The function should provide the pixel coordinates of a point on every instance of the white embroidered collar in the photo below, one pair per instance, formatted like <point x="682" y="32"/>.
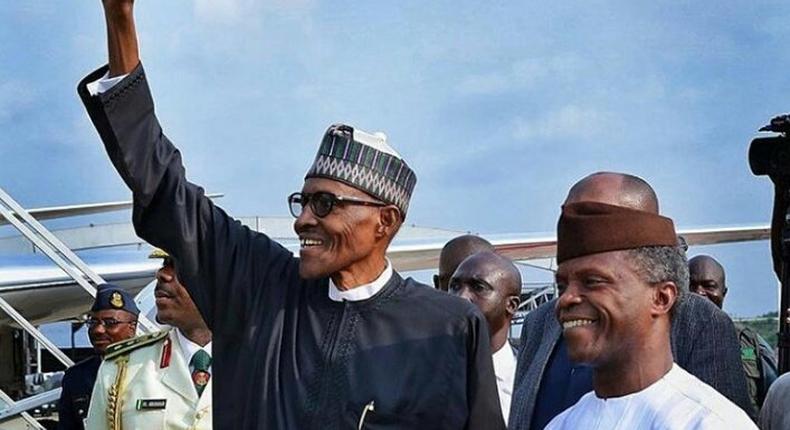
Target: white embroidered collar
<point x="362" y="292"/>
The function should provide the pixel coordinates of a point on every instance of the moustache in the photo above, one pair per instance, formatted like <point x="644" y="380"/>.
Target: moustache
<point x="161" y="291"/>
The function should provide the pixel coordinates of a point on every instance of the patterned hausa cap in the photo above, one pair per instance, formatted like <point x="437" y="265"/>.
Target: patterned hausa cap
<point x="366" y="162"/>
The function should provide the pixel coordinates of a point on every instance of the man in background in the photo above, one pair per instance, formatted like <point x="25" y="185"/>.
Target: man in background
<point x="707" y="279"/>
<point x="112" y="318"/>
<point x="453" y="253"/>
<point x="775" y="414"/>
<point x="493" y="284"/>
<point x="162" y="379"/>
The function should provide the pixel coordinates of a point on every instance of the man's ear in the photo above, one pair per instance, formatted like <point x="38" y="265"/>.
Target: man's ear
<point x="512" y="305"/>
<point x="389" y="222"/>
<point x="664" y="296"/>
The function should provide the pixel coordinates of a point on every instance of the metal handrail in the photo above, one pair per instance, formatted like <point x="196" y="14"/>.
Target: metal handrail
<point x="32" y="330"/>
<point x="70" y="263"/>
<point x="16" y="408"/>
<point x="56" y="250"/>
<point x="52" y="242"/>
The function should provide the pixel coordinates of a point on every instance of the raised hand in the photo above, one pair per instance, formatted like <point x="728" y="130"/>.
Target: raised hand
<point x="121" y="36"/>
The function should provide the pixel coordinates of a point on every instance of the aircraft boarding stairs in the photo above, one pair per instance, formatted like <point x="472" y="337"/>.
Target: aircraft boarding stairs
<point x="13" y="414"/>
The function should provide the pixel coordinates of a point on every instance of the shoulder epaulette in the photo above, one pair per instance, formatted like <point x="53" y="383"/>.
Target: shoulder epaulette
<point x="126" y="346"/>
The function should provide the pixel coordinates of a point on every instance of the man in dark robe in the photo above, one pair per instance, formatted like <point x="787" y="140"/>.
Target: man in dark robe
<point x="335" y="339"/>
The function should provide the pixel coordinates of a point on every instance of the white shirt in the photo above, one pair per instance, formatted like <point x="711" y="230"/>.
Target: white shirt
<point x="505" y="370"/>
<point x="189" y="348"/>
<point x="362" y="292"/>
<point x="103" y="84"/>
<point x="676" y="401"/>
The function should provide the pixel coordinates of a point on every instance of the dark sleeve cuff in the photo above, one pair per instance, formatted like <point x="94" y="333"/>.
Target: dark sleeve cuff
<point x="134" y="85"/>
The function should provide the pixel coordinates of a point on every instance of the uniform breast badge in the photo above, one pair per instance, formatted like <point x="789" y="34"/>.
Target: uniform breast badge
<point x="200" y="378"/>
<point x="200" y="362"/>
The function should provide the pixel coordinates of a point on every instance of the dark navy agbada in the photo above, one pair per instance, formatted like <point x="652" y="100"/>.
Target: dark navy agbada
<point x="285" y="355"/>
<point x="76" y="395"/>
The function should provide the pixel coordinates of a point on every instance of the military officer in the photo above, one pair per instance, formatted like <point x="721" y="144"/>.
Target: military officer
<point x="159" y="380"/>
<point x="112" y="318"/>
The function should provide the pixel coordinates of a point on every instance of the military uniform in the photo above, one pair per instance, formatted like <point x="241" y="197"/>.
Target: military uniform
<point x="145" y="383"/>
<point x="759" y="364"/>
<point x="79" y="379"/>
<point x="76" y="395"/>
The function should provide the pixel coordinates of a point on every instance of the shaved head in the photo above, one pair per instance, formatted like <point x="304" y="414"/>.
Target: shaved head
<point x="505" y="275"/>
<point x="493" y="283"/>
<point x="454" y="252"/>
<point x="618" y="189"/>
<point x="707" y="279"/>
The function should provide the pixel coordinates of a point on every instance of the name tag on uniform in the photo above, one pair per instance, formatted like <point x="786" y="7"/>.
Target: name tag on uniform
<point x="151" y="404"/>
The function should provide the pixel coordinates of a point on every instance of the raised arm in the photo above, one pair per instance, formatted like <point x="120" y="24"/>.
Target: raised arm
<point x="221" y="262"/>
<point x="122" y="48"/>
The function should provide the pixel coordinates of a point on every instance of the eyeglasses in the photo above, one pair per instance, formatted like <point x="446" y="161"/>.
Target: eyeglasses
<point x="322" y="203"/>
<point x="108" y="323"/>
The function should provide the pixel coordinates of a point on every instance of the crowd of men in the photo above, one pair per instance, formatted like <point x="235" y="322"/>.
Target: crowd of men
<point x="337" y="339"/>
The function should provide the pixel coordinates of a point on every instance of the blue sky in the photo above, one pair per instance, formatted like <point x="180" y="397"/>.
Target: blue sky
<point x="498" y="106"/>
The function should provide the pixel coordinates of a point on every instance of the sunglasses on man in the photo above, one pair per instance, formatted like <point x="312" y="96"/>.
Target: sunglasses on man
<point x="322" y="203"/>
<point x="108" y="323"/>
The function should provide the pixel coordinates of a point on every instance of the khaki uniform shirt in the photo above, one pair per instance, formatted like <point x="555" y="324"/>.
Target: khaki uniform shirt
<point x="759" y="364"/>
<point x="155" y="391"/>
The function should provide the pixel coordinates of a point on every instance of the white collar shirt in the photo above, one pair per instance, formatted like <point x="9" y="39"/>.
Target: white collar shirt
<point x="189" y="348"/>
<point x="362" y="292"/>
<point x="505" y="371"/>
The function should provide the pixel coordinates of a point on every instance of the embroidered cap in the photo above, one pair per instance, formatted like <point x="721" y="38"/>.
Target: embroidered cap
<point x="366" y="162"/>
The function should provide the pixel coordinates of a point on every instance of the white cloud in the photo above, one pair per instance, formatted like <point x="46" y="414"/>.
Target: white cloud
<point x="490" y="83"/>
<point x="15" y="97"/>
<point x="235" y="11"/>
<point x="524" y="74"/>
<point x="568" y="122"/>
<point x="221" y="11"/>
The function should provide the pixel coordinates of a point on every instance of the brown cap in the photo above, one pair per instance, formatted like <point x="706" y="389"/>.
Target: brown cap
<point x="589" y="228"/>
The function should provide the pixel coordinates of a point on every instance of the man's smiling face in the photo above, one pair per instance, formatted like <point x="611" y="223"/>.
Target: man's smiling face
<point x="604" y="307"/>
<point x="102" y="335"/>
<point x="345" y="237"/>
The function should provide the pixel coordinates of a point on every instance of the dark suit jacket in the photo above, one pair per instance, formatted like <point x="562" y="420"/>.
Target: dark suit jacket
<point x="76" y="395"/>
<point x="703" y="343"/>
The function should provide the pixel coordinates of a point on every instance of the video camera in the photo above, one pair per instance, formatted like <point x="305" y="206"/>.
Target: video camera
<point x="770" y="155"/>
